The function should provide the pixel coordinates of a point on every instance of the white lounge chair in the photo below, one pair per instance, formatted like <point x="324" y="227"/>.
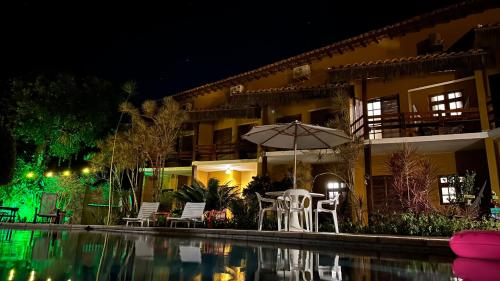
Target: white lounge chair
<point x="145" y="213"/>
<point x="190" y="254"/>
<point x="192" y="213"/>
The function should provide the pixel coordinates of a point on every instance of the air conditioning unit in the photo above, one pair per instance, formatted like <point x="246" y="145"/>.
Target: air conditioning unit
<point x="302" y="72"/>
<point x="187" y="106"/>
<point x="238" y="89"/>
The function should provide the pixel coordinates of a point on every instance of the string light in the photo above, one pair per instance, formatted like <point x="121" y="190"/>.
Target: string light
<point x="66" y="173"/>
<point x="49" y="174"/>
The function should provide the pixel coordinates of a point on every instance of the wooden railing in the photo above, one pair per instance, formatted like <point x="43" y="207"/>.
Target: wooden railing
<point x="491" y="114"/>
<point x="210" y="152"/>
<point x="408" y="124"/>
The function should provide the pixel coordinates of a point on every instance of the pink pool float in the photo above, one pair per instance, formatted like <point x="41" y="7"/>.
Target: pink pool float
<point x="476" y="269"/>
<point x="476" y="244"/>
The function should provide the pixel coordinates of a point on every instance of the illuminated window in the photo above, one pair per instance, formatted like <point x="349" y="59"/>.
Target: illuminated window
<point x="374" y="109"/>
<point x="448" y="101"/>
<point x="333" y="188"/>
<point x="447" y="191"/>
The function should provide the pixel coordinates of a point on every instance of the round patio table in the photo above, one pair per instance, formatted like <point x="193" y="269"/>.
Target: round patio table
<point x="294" y="219"/>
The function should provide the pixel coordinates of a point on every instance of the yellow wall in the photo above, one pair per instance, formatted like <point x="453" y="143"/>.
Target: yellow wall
<point x="360" y="186"/>
<point x="246" y="177"/>
<point x="235" y="178"/>
<point x="205" y="133"/>
<point x="444" y="164"/>
<point x="202" y="177"/>
<point x="421" y="98"/>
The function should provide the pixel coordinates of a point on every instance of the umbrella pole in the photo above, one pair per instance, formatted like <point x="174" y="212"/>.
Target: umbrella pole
<point x="295" y="166"/>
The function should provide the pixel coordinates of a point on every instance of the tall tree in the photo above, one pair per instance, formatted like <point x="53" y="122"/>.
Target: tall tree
<point x="60" y="115"/>
<point x="154" y="130"/>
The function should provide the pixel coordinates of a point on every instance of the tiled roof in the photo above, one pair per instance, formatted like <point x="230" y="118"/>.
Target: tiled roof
<point x="448" y="13"/>
<point x="291" y="89"/>
<point x="283" y="95"/>
<point x="215" y="113"/>
<point x="472" y="59"/>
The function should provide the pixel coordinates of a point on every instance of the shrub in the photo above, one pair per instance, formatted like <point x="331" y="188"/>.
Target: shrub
<point x="413" y="177"/>
<point x="432" y="224"/>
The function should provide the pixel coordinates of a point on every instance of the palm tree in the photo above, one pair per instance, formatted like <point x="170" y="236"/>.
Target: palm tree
<point x="217" y="196"/>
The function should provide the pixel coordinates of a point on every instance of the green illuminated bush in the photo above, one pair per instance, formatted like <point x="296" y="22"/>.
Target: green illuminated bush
<point x="29" y="183"/>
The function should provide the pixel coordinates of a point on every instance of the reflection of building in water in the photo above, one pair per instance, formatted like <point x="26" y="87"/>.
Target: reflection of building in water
<point x="216" y="248"/>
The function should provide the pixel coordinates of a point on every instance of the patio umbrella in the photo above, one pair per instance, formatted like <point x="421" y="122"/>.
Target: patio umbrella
<point x="296" y="135"/>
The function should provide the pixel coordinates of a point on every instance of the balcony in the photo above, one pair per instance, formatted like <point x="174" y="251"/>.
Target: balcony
<point x="230" y="151"/>
<point x="409" y="124"/>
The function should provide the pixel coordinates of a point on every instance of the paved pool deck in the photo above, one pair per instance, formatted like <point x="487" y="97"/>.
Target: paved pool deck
<point x="365" y="242"/>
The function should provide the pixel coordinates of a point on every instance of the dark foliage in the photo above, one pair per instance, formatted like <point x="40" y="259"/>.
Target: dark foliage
<point x="263" y="184"/>
<point x="431" y="224"/>
<point x="7" y="156"/>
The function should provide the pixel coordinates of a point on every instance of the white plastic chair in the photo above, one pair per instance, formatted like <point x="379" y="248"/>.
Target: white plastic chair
<point x="282" y="213"/>
<point x="301" y="262"/>
<point x="299" y="201"/>
<point x="329" y="272"/>
<point x="262" y="210"/>
<point x="319" y="209"/>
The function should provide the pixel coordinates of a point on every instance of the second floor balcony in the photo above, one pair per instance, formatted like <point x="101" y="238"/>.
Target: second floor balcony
<point x="409" y="124"/>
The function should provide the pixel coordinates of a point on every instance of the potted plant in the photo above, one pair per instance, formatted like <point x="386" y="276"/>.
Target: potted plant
<point x="464" y="186"/>
<point x="468" y="186"/>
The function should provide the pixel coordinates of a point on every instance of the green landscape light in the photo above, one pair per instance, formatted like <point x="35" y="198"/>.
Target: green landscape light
<point x="30" y="175"/>
<point x="86" y="170"/>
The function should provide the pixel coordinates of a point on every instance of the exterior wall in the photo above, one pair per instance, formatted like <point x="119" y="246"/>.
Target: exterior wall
<point x="235" y="178"/>
<point x="246" y="178"/>
<point x="402" y="46"/>
<point x="444" y="163"/>
<point x="205" y="133"/>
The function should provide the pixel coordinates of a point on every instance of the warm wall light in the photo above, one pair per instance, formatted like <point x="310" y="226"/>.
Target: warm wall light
<point x="66" y="173"/>
<point x="86" y="170"/>
<point x="49" y="174"/>
<point x="228" y="170"/>
<point x="329" y="185"/>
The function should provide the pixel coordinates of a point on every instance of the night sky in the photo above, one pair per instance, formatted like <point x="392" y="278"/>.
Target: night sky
<point x="167" y="48"/>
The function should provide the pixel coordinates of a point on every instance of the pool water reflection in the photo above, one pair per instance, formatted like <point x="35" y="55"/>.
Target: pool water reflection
<point x="46" y="255"/>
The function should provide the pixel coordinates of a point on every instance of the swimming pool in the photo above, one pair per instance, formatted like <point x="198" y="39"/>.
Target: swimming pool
<point x="80" y="255"/>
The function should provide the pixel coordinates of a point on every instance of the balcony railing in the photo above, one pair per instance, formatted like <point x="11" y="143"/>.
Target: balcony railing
<point x="407" y="124"/>
<point x="230" y="151"/>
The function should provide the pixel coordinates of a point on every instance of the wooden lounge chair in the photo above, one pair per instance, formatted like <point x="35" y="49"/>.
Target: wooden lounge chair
<point x="192" y="213"/>
<point x="48" y="208"/>
<point x="145" y="213"/>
